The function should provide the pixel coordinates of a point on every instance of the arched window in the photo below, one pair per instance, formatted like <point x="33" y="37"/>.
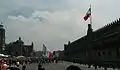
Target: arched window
<point x="103" y="53"/>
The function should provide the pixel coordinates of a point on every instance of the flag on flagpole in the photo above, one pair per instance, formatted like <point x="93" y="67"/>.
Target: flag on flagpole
<point x="88" y="14"/>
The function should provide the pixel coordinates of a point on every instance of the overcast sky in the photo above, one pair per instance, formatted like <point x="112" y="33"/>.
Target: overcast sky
<point x="53" y="22"/>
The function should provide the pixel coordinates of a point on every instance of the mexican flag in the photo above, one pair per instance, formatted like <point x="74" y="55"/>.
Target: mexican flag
<point x="88" y="14"/>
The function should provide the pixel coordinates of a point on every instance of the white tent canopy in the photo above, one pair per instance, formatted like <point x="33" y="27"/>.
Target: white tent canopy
<point x="2" y="55"/>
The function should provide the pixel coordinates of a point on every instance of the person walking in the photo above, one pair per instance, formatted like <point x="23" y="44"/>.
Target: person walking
<point x="40" y="67"/>
<point x="24" y="67"/>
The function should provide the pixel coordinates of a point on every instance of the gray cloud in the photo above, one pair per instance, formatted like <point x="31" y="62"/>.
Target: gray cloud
<point x="53" y="22"/>
<point x="55" y="34"/>
<point x="24" y="11"/>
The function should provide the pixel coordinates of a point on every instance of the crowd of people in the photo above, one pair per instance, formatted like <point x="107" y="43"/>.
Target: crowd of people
<point x="55" y="60"/>
<point x="47" y="60"/>
<point x="3" y="65"/>
<point x="13" y="63"/>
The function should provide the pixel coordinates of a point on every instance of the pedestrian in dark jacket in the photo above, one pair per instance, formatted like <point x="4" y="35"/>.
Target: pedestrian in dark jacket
<point x="40" y="67"/>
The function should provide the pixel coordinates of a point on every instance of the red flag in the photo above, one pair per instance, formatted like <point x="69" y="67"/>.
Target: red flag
<point x="88" y="14"/>
<point x="50" y="56"/>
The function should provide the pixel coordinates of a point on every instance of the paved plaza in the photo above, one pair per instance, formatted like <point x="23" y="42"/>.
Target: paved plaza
<point x="61" y="66"/>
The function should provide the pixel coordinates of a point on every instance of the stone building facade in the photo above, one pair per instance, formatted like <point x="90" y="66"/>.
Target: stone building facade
<point x="18" y="48"/>
<point x="100" y="47"/>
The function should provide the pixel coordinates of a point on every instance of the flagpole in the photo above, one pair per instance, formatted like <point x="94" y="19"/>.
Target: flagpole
<point x="90" y="16"/>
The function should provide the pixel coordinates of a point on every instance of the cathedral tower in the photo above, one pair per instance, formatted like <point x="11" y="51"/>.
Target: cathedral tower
<point x="2" y="37"/>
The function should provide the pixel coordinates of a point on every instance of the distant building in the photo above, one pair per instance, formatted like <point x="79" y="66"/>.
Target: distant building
<point x="44" y="50"/>
<point x="59" y="54"/>
<point x="39" y="54"/>
<point x="14" y="48"/>
<point x="18" y="48"/>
